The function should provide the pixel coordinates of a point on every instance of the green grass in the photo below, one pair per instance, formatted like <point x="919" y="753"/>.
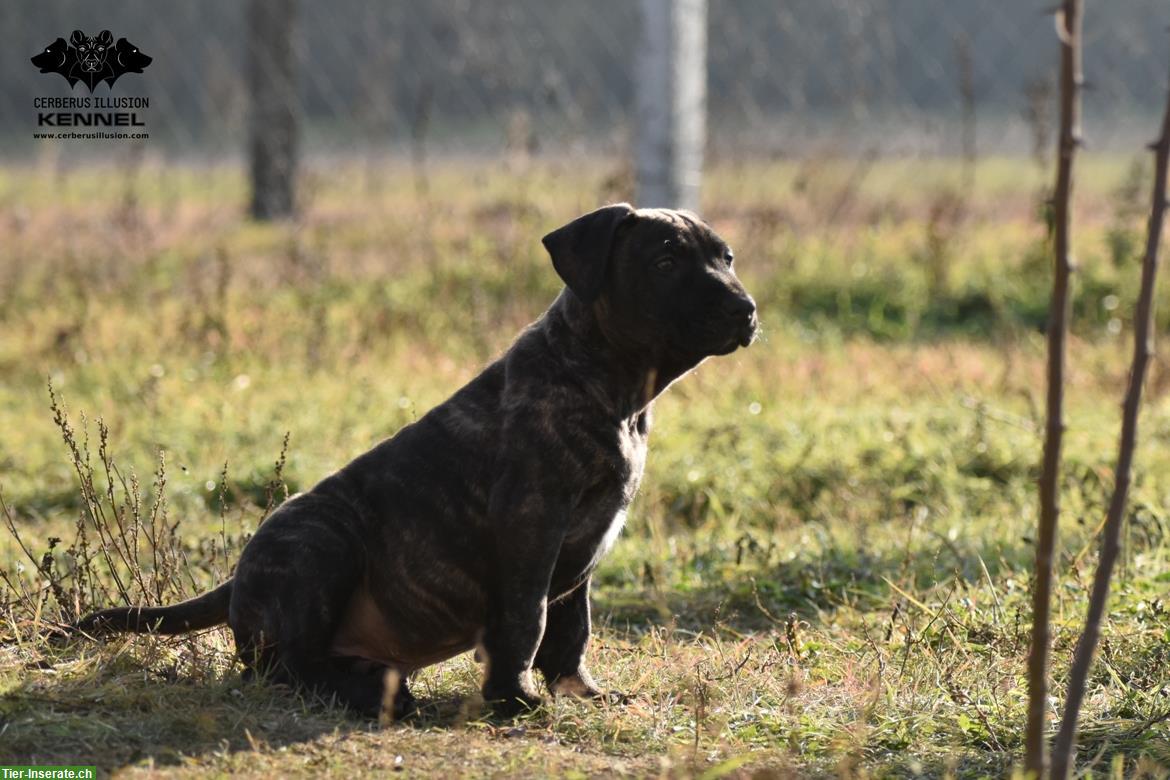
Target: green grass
<point x="826" y="572"/>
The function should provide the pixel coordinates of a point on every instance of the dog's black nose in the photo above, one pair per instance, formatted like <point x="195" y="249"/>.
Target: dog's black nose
<point x="739" y="308"/>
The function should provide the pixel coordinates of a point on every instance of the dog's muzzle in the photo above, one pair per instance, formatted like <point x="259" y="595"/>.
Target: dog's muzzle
<point x="749" y="332"/>
<point x="741" y="315"/>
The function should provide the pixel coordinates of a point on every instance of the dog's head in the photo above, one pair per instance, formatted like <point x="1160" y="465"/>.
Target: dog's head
<point x="660" y="281"/>
<point x="128" y="59"/>
<point x="54" y="58"/>
<point x="92" y="51"/>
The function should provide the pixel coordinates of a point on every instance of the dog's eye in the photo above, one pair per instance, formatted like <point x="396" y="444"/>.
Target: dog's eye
<point x="664" y="264"/>
<point x="729" y="257"/>
<point x="101" y="48"/>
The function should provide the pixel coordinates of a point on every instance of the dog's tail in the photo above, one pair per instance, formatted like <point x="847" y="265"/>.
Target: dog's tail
<point x="204" y="611"/>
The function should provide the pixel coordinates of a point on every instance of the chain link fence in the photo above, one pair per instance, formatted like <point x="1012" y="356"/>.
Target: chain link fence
<point x="884" y="77"/>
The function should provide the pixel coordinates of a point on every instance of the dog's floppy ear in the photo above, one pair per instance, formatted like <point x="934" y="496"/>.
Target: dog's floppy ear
<point x="580" y="250"/>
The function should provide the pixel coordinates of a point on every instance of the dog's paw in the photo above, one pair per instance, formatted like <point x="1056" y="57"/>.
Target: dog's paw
<point x="573" y="689"/>
<point x="616" y="698"/>
<point x="580" y="685"/>
<point x="403" y="706"/>
<point x="510" y="703"/>
<point x="398" y="702"/>
<point x="577" y="685"/>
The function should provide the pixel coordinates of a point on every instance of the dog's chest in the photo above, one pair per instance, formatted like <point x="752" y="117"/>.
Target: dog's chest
<point x="633" y="440"/>
<point x="601" y="512"/>
<point x="623" y="473"/>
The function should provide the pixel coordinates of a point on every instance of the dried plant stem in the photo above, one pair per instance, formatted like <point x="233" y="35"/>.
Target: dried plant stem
<point x="1143" y="347"/>
<point x="1068" y="24"/>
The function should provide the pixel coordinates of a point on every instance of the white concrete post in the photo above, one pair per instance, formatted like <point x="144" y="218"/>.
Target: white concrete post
<point x="671" y="103"/>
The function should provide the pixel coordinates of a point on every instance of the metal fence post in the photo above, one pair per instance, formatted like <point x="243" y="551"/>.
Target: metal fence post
<point x="274" y="102"/>
<point x="671" y="110"/>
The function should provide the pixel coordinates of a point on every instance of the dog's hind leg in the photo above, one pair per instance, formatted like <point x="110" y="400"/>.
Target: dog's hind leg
<point x="296" y="657"/>
<point x="292" y="586"/>
<point x="365" y="688"/>
<point x="365" y="675"/>
<point x="360" y="690"/>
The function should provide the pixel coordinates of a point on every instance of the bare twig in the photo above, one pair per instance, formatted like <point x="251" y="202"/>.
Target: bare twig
<point x="277" y="483"/>
<point x="1068" y="24"/>
<point x="1149" y="722"/>
<point x="1143" y="348"/>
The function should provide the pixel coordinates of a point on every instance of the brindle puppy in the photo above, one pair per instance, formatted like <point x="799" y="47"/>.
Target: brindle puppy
<point x="481" y="523"/>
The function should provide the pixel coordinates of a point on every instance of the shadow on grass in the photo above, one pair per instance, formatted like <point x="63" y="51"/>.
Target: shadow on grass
<point x="758" y="595"/>
<point x="121" y="714"/>
<point x="117" y="713"/>
<point x="124" y="716"/>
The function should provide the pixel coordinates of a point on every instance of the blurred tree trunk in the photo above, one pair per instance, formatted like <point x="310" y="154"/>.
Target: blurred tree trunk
<point x="1068" y="26"/>
<point x="671" y="86"/>
<point x="1064" y="751"/>
<point x="273" y="96"/>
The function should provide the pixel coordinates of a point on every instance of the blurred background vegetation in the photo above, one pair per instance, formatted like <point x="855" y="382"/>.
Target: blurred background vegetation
<point x="849" y="502"/>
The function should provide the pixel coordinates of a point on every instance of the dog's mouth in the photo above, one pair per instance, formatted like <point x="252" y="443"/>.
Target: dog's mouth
<point x="750" y="332"/>
<point x="742" y="337"/>
<point x="746" y="334"/>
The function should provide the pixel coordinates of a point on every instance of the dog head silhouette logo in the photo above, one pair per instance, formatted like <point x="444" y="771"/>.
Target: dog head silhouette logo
<point x="91" y="59"/>
<point x="58" y="57"/>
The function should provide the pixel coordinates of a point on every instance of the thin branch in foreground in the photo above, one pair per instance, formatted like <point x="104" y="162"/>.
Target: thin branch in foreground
<point x="1063" y="751"/>
<point x="1068" y="26"/>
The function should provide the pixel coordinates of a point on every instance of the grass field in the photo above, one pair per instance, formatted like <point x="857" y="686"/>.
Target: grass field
<point x="826" y="572"/>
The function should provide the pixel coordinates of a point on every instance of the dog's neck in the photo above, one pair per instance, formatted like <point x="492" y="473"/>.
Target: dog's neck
<point x="626" y="377"/>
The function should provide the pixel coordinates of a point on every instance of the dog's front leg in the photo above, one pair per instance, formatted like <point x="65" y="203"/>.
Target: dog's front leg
<point x="561" y="657"/>
<point x="528" y="525"/>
